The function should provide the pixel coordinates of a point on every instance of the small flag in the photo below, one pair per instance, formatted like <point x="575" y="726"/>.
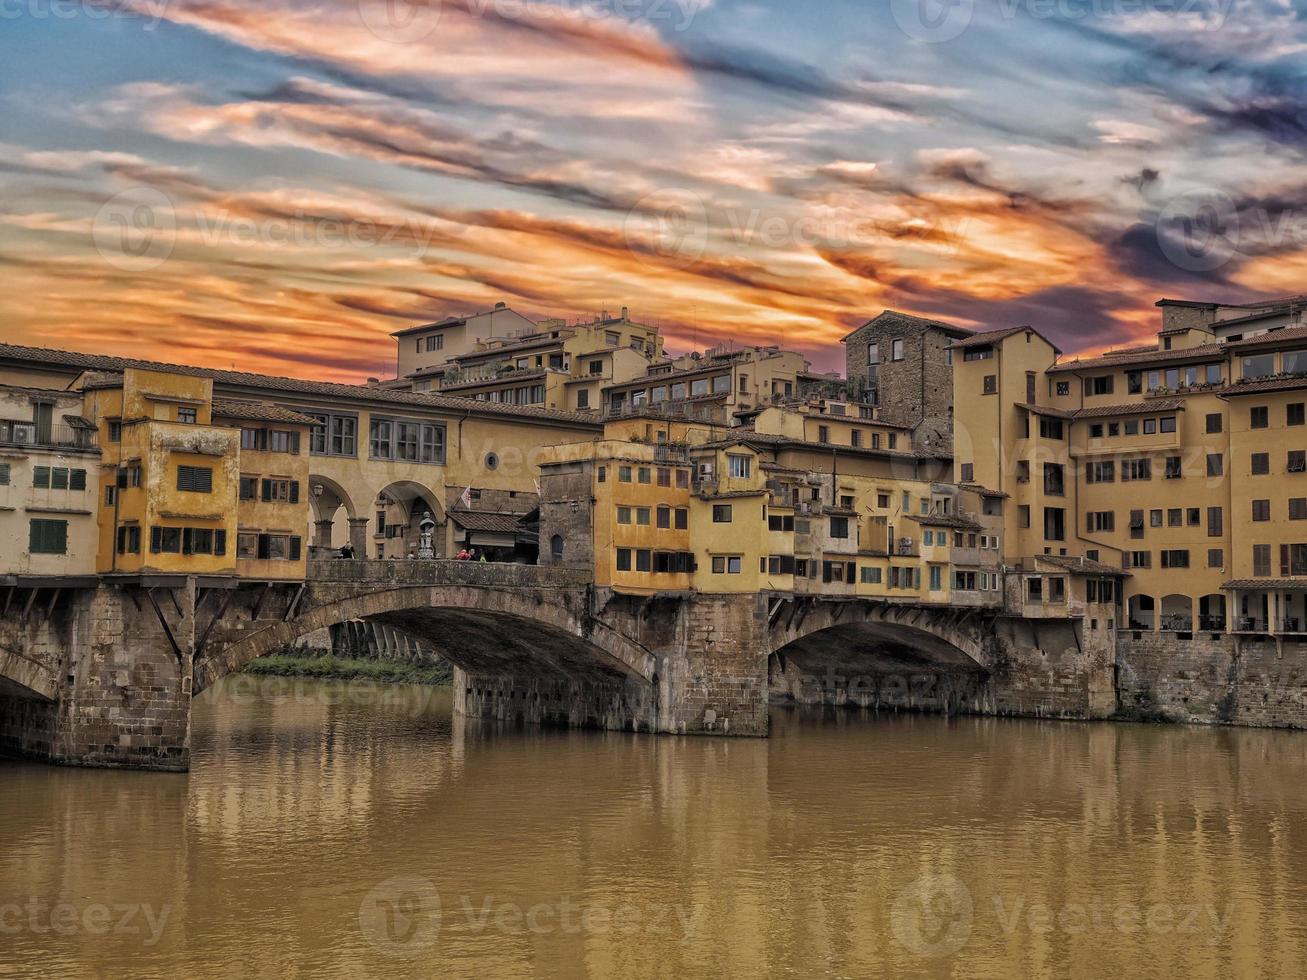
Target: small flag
<point x="466" y="499"/>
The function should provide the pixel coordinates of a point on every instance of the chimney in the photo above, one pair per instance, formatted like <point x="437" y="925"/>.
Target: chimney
<point x="501" y="306"/>
<point x="626" y="313"/>
<point x="604" y="316"/>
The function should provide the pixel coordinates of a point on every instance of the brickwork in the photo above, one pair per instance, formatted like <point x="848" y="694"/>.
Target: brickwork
<point x="1213" y="679"/>
<point x="916" y="389"/>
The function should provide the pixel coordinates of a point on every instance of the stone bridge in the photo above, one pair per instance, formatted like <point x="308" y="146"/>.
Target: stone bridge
<point x="102" y="672"/>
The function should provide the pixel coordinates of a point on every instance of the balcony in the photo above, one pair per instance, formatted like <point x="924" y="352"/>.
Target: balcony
<point x="55" y="435"/>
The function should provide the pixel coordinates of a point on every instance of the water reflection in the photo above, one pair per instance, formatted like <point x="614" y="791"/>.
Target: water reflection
<point x="331" y="830"/>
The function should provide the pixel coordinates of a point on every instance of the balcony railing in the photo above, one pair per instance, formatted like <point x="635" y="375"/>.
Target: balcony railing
<point x="56" y="435"/>
<point x="1211" y="624"/>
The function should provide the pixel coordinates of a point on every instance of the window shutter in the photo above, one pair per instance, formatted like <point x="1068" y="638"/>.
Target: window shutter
<point x="263" y="544"/>
<point x="156" y="540"/>
<point x="267" y="490"/>
<point x="188" y="540"/>
<point x="77" y="480"/>
<point x="295" y="443"/>
<point x="219" y="542"/>
<point x="294" y="491"/>
<point x="294" y="549"/>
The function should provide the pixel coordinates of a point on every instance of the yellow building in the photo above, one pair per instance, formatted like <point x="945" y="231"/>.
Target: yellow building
<point x="49" y="465"/>
<point x="665" y="505"/>
<point x="168" y="477"/>
<point x="1180" y="464"/>
<point x="554" y="365"/>
<point x="272" y="512"/>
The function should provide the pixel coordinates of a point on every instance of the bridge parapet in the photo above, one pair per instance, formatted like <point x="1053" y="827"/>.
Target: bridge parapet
<point x="501" y="575"/>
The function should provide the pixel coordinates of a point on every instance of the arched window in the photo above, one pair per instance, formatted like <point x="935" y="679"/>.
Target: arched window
<point x="556" y="546"/>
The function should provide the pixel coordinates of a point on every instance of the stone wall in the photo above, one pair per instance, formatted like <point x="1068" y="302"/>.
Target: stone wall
<point x="916" y="389"/>
<point x="1212" y="679"/>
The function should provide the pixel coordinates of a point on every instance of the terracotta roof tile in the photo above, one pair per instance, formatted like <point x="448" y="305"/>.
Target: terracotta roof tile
<point x="258" y="412"/>
<point x="105" y="362"/>
<point x="1136" y="356"/>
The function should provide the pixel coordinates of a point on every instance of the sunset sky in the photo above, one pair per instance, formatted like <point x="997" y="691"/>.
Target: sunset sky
<point x="278" y="185"/>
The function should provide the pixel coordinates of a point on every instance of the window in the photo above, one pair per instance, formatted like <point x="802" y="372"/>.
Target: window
<point x="1297" y="461"/>
<point x="873" y="353"/>
<point x="129" y="539"/>
<point x="1215" y="522"/>
<point x="741" y="467"/>
<point x="1156" y="517"/>
<point x="1139" y="559"/>
<point x="897" y="350"/>
<point x="1214" y="423"/>
<point x="721" y="383"/>
<point x="1175" y="517"/>
<point x="855" y="438"/>
<point x="281" y="491"/>
<point x="839" y="527"/>
<point x="624" y="474"/>
<point x="642" y="515"/>
<point x="46" y="537"/>
<point x="823" y="433"/>
<point x="1054" y="479"/>
<point x="332" y="435"/>
<point x="1150" y="427"/>
<point x="1216" y="558"/>
<point x="1101" y="520"/>
<point x="1063" y="388"/>
<point x="870" y="576"/>
<point x="682" y="518"/>
<point x="623" y="559"/>
<point x="115" y="431"/>
<point x="195" y="479"/>
<point x="1101" y="472"/>
<point x="664" y="517"/>
<point x="1054" y="524"/>
<point x="1178" y="558"/>
<point x="1261" y="464"/>
<point x="664" y="476"/>
<point x="1215" y="464"/>
<point x="644" y="475"/>
<point x="726" y="564"/>
<point x="990" y="384"/>
<point x="936" y="578"/>
<point x="623" y="515"/>
<point x="721" y="513"/>
<point x="1023" y="515"/>
<point x="1136" y="469"/>
<point x="417" y="442"/>
<point x="249" y="488"/>
<point x="1261" y="510"/>
<point x="186" y="415"/>
<point x="780" y="522"/>
<point x="1050" y="428"/>
<point x="1262" y="560"/>
<point x="1298" y="508"/>
<point x="1172" y="468"/>
<point x="1056" y="589"/>
<point x="1035" y="589"/>
<point x="643" y="560"/>
<point x="1294" y="414"/>
<point x="1259" y="417"/>
<point x="1167" y="423"/>
<point x="1134" y="383"/>
<point x="1259" y="366"/>
<point x="1098" y="386"/>
<point x="682" y="479"/>
<point x="968" y="473"/>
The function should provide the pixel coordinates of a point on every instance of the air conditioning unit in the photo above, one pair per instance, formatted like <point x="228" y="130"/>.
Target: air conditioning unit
<point x="705" y="471"/>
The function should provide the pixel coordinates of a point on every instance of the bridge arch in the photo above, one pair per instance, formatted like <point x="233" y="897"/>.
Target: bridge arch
<point x="23" y="677"/>
<point x="875" y="652"/>
<point x="479" y="629"/>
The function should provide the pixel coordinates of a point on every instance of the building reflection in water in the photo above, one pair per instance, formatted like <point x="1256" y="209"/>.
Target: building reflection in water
<point x="845" y="845"/>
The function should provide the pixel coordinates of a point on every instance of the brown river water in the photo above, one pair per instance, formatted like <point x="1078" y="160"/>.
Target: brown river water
<point x="336" y="830"/>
